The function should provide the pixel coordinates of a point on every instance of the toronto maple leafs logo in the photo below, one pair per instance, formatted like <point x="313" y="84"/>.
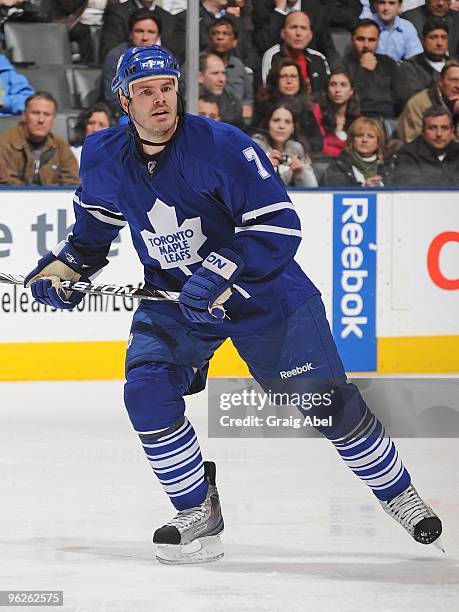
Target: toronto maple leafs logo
<point x="172" y="245"/>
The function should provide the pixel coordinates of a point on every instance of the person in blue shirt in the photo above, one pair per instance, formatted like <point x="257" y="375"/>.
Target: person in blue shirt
<point x="398" y="38"/>
<point x="210" y="219"/>
<point x="14" y="89"/>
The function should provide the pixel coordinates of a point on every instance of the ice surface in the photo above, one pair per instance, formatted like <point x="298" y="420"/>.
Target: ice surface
<point x="79" y="504"/>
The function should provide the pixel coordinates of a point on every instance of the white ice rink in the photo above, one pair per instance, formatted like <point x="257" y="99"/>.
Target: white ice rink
<point x="79" y="503"/>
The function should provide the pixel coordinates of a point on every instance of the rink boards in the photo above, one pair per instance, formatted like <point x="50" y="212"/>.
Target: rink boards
<point x="386" y="262"/>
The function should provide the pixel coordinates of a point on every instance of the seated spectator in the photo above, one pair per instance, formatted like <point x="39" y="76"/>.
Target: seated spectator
<point x="422" y="70"/>
<point x="91" y="120"/>
<point x="361" y="162"/>
<point x="281" y="143"/>
<point x="269" y="18"/>
<point x="445" y="92"/>
<point x="342" y="13"/>
<point x="239" y="79"/>
<point x="296" y="36"/>
<point x="93" y="15"/>
<point x="433" y="157"/>
<point x="212" y="79"/>
<point x="335" y="112"/>
<point x="208" y="106"/>
<point x="398" y="37"/>
<point x="285" y="82"/>
<point x="210" y="11"/>
<point x="116" y="25"/>
<point x="144" y="30"/>
<point x="71" y="12"/>
<point x="437" y="9"/>
<point x="375" y="76"/>
<point x="14" y="89"/>
<point x="30" y="154"/>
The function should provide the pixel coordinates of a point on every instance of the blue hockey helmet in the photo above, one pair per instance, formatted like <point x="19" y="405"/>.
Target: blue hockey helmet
<point x="144" y="63"/>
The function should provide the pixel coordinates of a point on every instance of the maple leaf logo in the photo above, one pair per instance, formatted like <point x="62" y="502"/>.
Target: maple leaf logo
<point x="172" y="245"/>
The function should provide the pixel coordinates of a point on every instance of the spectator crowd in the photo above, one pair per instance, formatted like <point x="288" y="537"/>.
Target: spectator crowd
<point x="352" y="93"/>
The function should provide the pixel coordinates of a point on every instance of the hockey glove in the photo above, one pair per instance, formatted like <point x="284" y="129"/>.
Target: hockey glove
<point x="64" y="262"/>
<point x="203" y="295"/>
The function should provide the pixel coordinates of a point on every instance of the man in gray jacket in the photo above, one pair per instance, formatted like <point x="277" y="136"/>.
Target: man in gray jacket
<point x="433" y="157"/>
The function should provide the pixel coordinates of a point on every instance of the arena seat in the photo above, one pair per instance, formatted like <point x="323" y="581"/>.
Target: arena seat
<point x="37" y="43"/>
<point x="87" y="85"/>
<point x="54" y="79"/>
<point x="341" y="38"/>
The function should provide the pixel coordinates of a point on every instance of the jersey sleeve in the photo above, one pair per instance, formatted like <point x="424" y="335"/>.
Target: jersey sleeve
<point x="97" y="218"/>
<point x="267" y="229"/>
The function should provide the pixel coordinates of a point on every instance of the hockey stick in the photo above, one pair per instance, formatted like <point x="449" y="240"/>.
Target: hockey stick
<point x="102" y="289"/>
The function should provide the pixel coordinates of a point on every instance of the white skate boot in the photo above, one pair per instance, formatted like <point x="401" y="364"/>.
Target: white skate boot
<point x="193" y="535"/>
<point x="419" y="520"/>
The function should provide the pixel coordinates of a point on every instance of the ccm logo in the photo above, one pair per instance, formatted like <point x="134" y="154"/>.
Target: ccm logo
<point x="433" y="261"/>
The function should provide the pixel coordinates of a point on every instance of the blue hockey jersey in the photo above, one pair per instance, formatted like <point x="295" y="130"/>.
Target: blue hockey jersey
<point x="212" y="187"/>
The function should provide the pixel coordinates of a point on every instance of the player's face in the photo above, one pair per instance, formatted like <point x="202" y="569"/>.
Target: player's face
<point x="339" y="89"/>
<point x="153" y="108"/>
<point x="144" y="33"/>
<point x="281" y="125"/>
<point x="365" y="39"/>
<point x="289" y="81"/>
<point x="222" y="38"/>
<point x="209" y="110"/>
<point x="297" y="33"/>
<point x="38" y="119"/>
<point x="365" y="142"/>
<point x="213" y="78"/>
<point x="436" y="44"/>
<point x="388" y="10"/>
<point x="438" y="132"/>
<point x="450" y="84"/>
<point x="96" y="122"/>
<point x="438" y="8"/>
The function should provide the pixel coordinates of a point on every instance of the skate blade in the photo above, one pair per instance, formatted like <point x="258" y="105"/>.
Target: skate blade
<point x="439" y="544"/>
<point x="201" y="550"/>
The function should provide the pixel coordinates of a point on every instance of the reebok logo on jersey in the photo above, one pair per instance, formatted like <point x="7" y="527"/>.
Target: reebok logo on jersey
<point x="307" y="367"/>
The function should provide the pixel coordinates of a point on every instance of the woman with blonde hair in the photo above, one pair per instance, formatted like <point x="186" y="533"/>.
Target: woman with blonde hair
<point x="361" y="164"/>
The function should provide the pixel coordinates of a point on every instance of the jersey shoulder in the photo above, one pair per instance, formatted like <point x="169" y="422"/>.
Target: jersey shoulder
<point x="104" y="148"/>
<point x="216" y="144"/>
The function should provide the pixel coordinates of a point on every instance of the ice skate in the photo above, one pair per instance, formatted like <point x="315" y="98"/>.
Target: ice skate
<point x="419" y="520"/>
<point x="193" y="535"/>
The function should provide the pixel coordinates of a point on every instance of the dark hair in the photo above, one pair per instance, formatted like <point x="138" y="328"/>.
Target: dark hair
<point x="270" y="91"/>
<point x="365" y="23"/>
<point x="141" y="15"/>
<point x="435" y="111"/>
<point x="224" y="21"/>
<point x="85" y="116"/>
<point x="452" y="63"/>
<point x="42" y="95"/>
<point x="208" y="97"/>
<point x="434" y="23"/>
<point x="294" y="108"/>
<point x="329" y="111"/>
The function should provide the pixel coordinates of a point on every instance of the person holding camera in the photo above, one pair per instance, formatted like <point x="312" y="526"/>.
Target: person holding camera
<point x="282" y="144"/>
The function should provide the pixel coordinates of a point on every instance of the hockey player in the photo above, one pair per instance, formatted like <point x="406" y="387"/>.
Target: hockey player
<point x="210" y="219"/>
